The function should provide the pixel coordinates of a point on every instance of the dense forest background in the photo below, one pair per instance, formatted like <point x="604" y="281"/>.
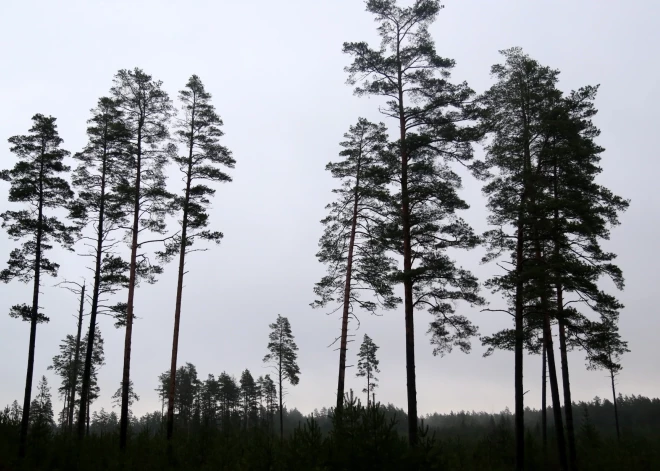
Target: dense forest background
<point x="154" y="184"/>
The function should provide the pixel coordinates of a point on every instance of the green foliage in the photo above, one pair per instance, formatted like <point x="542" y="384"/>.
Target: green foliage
<point x="429" y="110"/>
<point x="368" y="365"/>
<point x="36" y="182"/>
<point x="354" y="218"/>
<point x="283" y="348"/>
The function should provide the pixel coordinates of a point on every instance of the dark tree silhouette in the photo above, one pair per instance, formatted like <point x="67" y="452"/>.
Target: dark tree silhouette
<point x="102" y="165"/>
<point x="146" y="110"/>
<point x="199" y="133"/>
<point x="35" y="181"/>
<point x="368" y="365"/>
<point x="355" y="258"/>
<point x="516" y="115"/>
<point x="428" y="109"/>
<point x="283" y="358"/>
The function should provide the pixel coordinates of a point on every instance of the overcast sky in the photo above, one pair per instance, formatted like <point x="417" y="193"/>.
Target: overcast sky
<point x="275" y="70"/>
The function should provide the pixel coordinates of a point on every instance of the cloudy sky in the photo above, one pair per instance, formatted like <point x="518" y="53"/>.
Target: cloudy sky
<point x="275" y="70"/>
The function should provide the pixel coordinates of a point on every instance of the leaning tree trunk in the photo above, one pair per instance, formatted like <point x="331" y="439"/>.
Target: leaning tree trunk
<point x="347" y="298"/>
<point x="179" y="295"/>
<point x="76" y="359"/>
<point x="33" y="321"/>
<point x="87" y="372"/>
<point x="126" y="376"/>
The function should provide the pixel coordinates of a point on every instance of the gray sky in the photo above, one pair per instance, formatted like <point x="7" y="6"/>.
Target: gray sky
<point x="275" y="70"/>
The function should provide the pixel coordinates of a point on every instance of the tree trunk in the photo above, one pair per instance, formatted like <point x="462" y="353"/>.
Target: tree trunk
<point x="568" y="408"/>
<point x="281" y="414"/>
<point x="35" y="316"/>
<point x="554" y="386"/>
<point x="126" y="376"/>
<point x="179" y="286"/>
<point x="87" y="372"/>
<point x="347" y="298"/>
<point x="368" y="387"/>
<point x="76" y="359"/>
<point x="518" y="347"/>
<point x="88" y="406"/>
<point x="407" y="268"/>
<point x="616" y="409"/>
<point x="544" y="409"/>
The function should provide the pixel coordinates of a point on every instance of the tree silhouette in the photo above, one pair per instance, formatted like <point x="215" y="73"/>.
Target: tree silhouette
<point x="283" y="358"/>
<point x="146" y="110"/>
<point x="199" y="132"/>
<point x="428" y="109"/>
<point x="349" y="246"/>
<point x="368" y="365"/>
<point x="35" y="181"/>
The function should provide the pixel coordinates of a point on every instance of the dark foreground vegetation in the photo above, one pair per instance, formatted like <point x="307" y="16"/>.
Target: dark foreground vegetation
<point x="370" y="439"/>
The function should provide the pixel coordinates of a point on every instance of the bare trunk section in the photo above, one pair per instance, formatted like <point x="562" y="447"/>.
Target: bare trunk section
<point x="347" y="297"/>
<point x="280" y="377"/>
<point x="126" y="376"/>
<point x="554" y="385"/>
<point x="76" y="359"/>
<point x="616" y="408"/>
<point x="179" y="286"/>
<point x="87" y="372"/>
<point x="22" y="444"/>
<point x="544" y="409"/>
<point x="518" y="348"/>
<point x="568" y="407"/>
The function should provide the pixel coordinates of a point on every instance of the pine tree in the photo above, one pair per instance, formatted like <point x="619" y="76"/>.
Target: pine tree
<point x="283" y="358"/>
<point x="103" y="165"/>
<point x="428" y="109"/>
<point x="269" y="393"/>
<point x="356" y="260"/>
<point x="41" y="410"/>
<point x="368" y="365"/>
<point x="35" y="181"/>
<point x="228" y="398"/>
<point x="516" y="114"/>
<point x="146" y="110"/>
<point x="249" y="396"/>
<point x="582" y="213"/>
<point x="198" y="133"/>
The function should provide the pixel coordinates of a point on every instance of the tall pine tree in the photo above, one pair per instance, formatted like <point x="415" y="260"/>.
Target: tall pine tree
<point x="368" y="365"/>
<point x="204" y="160"/>
<point x="103" y="165"/>
<point x="36" y="182"/>
<point x="283" y="358"/>
<point x="356" y="259"/>
<point x="146" y="110"/>
<point x="428" y="110"/>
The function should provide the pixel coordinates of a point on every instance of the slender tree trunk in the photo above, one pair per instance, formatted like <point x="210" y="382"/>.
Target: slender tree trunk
<point x="554" y="385"/>
<point x="76" y="359"/>
<point x="568" y="407"/>
<point x="518" y="347"/>
<point x="407" y="268"/>
<point x="126" y="376"/>
<point x="179" y="286"/>
<point x="281" y="413"/>
<point x="347" y="297"/>
<point x="89" y="403"/>
<point x="368" y="387"/>
<point x="35" y="316"/>
<point x="87" y="372"/>
<point x="544" y="409"/>
<point x="616" y="408"/>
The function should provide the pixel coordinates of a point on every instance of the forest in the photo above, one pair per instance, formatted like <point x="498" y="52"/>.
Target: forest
<point x="391" y="235"/>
